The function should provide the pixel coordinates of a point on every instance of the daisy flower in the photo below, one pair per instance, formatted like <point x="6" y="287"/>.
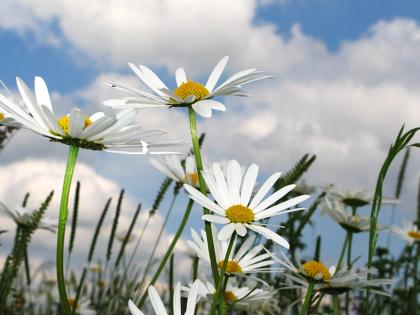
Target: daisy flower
<point x="173" y="167"/>
<point x="409" y="232"/>
<point x="239" y="296"/>
<point x="82" y="307"/>
<point x="352" y="223"/>
<point x="187" y="92"/>
<point x="329" y="280"/>
<point x="158" y="306"/>
<point x="355" y="197"/>
<point x="247" y="259"/>
<point x="109" y="132"/>
<point x="233" y="205"/>
<point x="23" y="216"/>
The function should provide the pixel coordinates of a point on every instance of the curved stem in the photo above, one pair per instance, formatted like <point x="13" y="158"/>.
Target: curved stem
<point x="198" y="162"/>
<point x="218" y="295"/>
<point x="307" y="302"/>
<point x="71" y="162"/>
<point x="169" y="251"/>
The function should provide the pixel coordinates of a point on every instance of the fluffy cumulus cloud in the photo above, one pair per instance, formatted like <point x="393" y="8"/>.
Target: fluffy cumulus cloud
<point x="40" y="176"/>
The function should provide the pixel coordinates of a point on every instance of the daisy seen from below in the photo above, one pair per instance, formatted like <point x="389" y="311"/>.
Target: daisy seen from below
<point x="408" y="232"/>
<point x="158" y="306"/>
<point x="241" y="297"/>
<point x="101" y="131"/>
<point x="329" y="280"/>
<point x="188" y="92"/>
<point x="246" y="259"/>
<point x="355" y="198"/>
<point x="175" y="168"/>
<point x="23" y="216"/>
<point x="352" y="223"/>
<point x="233" y="206"/>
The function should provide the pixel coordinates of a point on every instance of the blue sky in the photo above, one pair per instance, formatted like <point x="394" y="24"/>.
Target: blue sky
<point x="325" y="74"/>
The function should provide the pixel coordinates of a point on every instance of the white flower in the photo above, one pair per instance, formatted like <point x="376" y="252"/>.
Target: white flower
<point x="355" y="197"/>
<point x="188" y="92"/>
<point x="303" y="188"/>
<point x="234" y="206"/>
<point x="173" y="167"/>
<point x="243" y="296"/>
<point x="101" y="131"/>
<point x="247" y="259"/>
<point x="352" y="223"/>
<point x="82" y="307"/>
<point x="23" y="216"/>
<point x="409" y="232"/>
<point x="158" y="306"/>
<point x="328" y="280"/>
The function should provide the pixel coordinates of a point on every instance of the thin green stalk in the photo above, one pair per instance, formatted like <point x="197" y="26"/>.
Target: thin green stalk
<point x="162" y="229"/>
<point x="336" y="305"/>
<point x="307" y="303"/>
<point x="171" y="284"/>
<point x="400" y="143"/>
<point x="169" y="251"/>
<point x="218" y="295"/>
<point x="207" y="225"/>
<point x="71" y="163"/>
<point x="196" y="260"/>
<point x="343" y="250"/>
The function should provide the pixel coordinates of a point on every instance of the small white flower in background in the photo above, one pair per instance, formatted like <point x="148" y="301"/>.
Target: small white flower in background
<point x="239" y="296"/>
<point x="7" y="120"/>
<point x="303" y="188"/>
<point x="408" y="232"/>
<point x="83" y="306"/>
<point x="246" y="259"/>
<point x="122" y="234"/>
<point x="23" y="216"/>
<point x="352" y="223"/>
<point x="158" y="306"/>
<point x="328" y="280"/>
<point x="234" y="206"/>
<point x="173" y="167"/>
<point x="109" y="132"/>
<point x="355" y="197"/>
<point x="187" y="93"/>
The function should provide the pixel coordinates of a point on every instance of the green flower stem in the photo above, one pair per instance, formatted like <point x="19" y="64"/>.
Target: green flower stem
<point x="207" y="225"/>
<point x="71" y="163"/>
<point x="307" y="302"/>
<point x="169" y="251"/>
<point x="343" y="250"/>
<point x="218" y="295"/>
<point x="336" y="305"/>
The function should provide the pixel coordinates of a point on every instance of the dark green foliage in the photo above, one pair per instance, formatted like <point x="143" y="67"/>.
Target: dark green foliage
<point x="15" y="258"/>
<point x="114" y="226"/>
<point x="160" y="195"/>
<point x="401" y="173"/>
<point x="127" y="236"/>
<point x="74" y="219"/>
<point x="296" y="172"/>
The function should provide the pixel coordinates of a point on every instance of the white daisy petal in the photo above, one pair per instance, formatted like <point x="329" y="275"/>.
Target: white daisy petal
<point x="226" y="232"/>
<point x="180" y="76"/>
<point x="216" y="73"/>
<point x="269" y="234"/>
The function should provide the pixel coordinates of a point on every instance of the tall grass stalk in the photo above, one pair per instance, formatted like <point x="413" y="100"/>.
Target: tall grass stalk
<point x="73" y="225"/>
<point x="400" y="143"/>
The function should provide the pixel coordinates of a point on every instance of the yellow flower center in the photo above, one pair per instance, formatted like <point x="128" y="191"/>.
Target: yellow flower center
<point x="314" y="268"/>
<point x="72" y="303"/>
<point x="64" y="123"/>
<point x="232" y="266"/>
<point x="414" y="234"/>
<point x="191" y="178"/>
<point x="229" y="297"/>
<point x="239" y="214"/>
<point x="1" y="116"/>
<point x="191" y="88"/>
